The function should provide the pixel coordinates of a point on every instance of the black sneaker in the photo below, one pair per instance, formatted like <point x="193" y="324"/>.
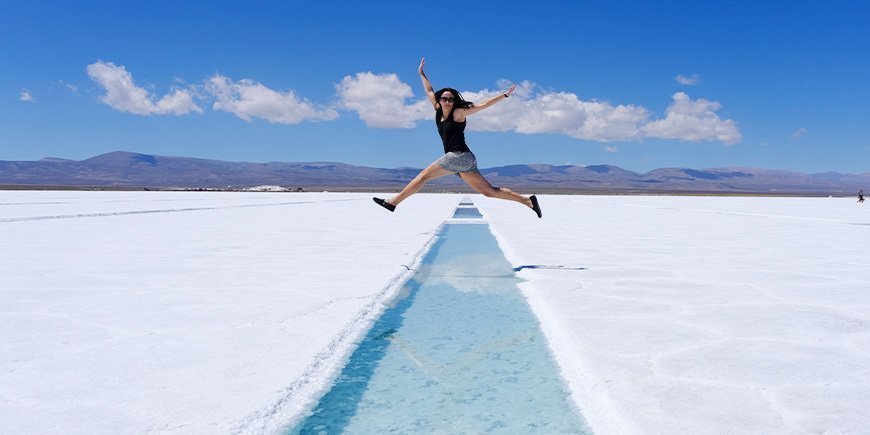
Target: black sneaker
<point x="535" y="206"/>
<point x="386" y="204"/>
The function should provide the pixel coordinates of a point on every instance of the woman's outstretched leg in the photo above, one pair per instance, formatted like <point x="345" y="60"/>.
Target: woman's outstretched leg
<point x="479" y="183"/>
<point x="432" y="172"/>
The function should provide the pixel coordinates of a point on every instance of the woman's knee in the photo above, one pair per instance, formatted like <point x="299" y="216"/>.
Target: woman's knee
<point x="424" y="178"/>
<point x="427" y="175"/>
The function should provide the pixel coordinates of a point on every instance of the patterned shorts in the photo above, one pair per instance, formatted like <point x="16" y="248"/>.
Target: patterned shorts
<point x="463" y="161"/>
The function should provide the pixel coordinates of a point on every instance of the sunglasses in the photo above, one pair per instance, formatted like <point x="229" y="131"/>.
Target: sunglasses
<point x="447" y="99"/>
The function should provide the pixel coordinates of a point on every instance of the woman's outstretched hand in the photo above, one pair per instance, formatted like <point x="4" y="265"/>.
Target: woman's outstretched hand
<point x="509" y="91"/>
<point x="422" y="64"/>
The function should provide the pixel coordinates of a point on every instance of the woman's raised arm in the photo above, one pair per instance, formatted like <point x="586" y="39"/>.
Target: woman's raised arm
<point x="488" y="103"/>
<point x="430" y="93"/>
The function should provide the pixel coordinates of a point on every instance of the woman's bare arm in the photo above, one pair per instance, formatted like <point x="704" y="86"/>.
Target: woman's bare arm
<point x="462" y="113"/>
<point x="430" y="93"/>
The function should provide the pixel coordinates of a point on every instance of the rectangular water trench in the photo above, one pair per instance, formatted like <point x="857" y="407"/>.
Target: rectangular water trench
<point x="459" y="352"/>
<point x="467" y="213"/>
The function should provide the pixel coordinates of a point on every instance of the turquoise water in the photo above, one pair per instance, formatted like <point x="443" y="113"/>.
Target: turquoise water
<point x="466" y="212"/>
<point x="459" y="352"/>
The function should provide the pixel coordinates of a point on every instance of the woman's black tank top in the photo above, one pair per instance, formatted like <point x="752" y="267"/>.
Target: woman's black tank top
<point x="452" y="133"/>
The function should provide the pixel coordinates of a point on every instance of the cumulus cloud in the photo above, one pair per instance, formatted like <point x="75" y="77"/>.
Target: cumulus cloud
<point x="384" y="101"/>
<point x="505" y="115"/>
<point x="123" y="95"/>
<point x="693" y="120"/>
<point x="800" y="132"/>
<point x="557" y="113"/>
<point x="380" y="100"/>
<point x="565" y="113"/>
<point x="249" y="99"/>
<point x="26" y="96"/>
<point x="688" y="81"/>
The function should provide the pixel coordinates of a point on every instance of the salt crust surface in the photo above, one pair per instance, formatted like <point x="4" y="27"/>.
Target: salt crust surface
<point x="156" y="312"/>
<point x="194" y="313"/>
<point x="702" y="315"/>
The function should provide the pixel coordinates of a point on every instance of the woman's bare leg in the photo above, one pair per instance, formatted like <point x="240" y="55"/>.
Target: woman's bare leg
<point x="432" y="172"/>
<point x="480" y="184"/>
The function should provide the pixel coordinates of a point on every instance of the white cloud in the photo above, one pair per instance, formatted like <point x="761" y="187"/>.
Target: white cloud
<point x="72" y="88"/>
<point x="565" y="113"/>
<point x="800" y="132"/>
<point x="611" y="149"/>
<point x="693" y="121"/>
<point x="380" y="100"/>
<point x="123" y="95"/>
<point x="531" y="112"/>
<point x="503" y="116"/>
<point x="247" y="98"/>
<point x="384" y="101"/>
<point x="688" y="81"/>
<point x="26" y="96"/>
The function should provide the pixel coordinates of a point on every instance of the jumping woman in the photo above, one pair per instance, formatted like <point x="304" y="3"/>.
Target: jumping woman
<point x="450" y="113"/>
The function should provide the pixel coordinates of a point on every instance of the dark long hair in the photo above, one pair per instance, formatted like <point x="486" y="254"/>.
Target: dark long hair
<point x="458" y="101"/>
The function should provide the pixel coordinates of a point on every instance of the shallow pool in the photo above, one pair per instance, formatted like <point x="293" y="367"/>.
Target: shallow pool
<point x="466" y="213"/>
<point x="460" y="352"/>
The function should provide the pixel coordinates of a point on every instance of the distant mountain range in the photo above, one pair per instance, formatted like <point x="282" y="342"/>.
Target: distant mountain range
<point x="131" y="170"/>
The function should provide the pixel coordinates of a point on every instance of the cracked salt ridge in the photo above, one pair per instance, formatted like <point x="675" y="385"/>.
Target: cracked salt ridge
<point x="424" y="361"/>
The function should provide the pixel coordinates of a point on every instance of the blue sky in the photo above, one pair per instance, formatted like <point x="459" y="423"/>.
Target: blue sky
<point x="641" y="85"/>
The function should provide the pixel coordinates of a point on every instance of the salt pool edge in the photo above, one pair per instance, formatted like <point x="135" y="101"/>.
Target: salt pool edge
<point x="303" y="393"/>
